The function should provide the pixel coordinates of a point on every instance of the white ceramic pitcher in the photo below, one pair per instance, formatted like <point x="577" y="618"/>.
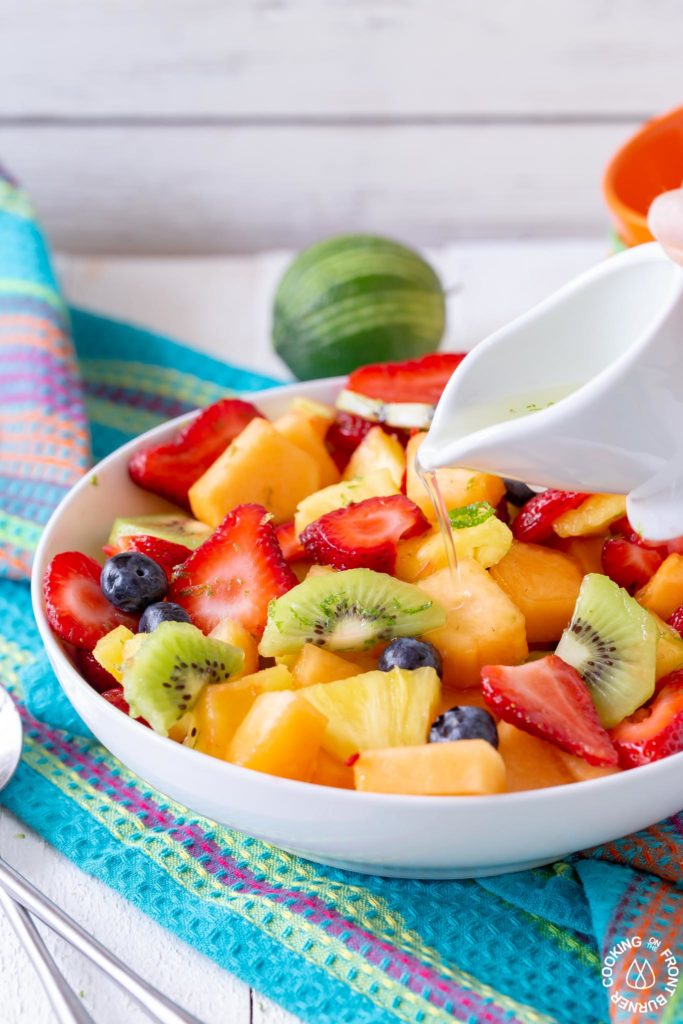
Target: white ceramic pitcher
<point x="584" y="393"/>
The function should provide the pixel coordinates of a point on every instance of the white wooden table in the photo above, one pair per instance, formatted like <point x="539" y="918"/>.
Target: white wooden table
<point x="222" y="306"/>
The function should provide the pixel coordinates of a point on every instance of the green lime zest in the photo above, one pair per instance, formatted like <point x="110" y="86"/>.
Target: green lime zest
<point x="470" y="515"/>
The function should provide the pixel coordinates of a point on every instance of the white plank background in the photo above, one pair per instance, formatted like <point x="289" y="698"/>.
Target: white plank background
<point x="210" y="127"/>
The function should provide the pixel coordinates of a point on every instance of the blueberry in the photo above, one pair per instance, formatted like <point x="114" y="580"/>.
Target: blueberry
<point x="407" y="652"/>
<point x="162" y="611"/>
<point x="464" y="723"/>
<point x="518" y="493"/>
<point x="131" y="581"/>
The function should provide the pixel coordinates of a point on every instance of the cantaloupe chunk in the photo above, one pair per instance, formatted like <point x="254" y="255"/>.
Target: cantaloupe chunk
<point x="221" y="707"/>
<point x="329" y="771"/>
<point x="422" y="556"/>
<point x="312" y="507"/>
<point x="230" y="632"/>
<point x="302" y="432"/>
<point x="544" y="584"/>
<point x="593" y="517"/>
<point x="261" y="465"/>
<point x="315" y="665"/>
<point x="464" y="768"/>
<point x="473" y="697"/>
<point x="280" y="735"/>
<point x="586" y="551"/>
<point x="669" y="649"/>
<point x="458" y="486"/>
<point x="530" y="762"/>
<point x="663" y="593"/>
<point x="483" y="626"/>
<point x="582" y="771"/>
<point x="376" y="451"/>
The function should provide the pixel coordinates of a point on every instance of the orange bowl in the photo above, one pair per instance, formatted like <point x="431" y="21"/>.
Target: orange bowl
<point x="650" y="162"/>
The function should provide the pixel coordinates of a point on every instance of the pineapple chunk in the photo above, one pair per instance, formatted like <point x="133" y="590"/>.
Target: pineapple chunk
<point x="132" y="646"/>
<point x="262" y="466"/>
<point x="458" y="486"/>
<point x="377" y="450"/>
<point x="465" y="768"/>
<point x="315" y="665"/>
<point x="301" y="431"/>
<point x="221" y="707"/>
<point x="319" y="570"/>
<point x="312" y="507"/>
<point x="663" y="593"/>
<point x="109" y="650"/>
<point x="230" y="632"/>
<point x="320" y="415"/>
<point x="487" y="543"/>
<point x="376" y="709"/>
<point x="280" y="735"/>
<point x="483" y="626"/>
<point x="669" y="648"/>
<point x="592" y="518"/>
<point x="586" y="551"/>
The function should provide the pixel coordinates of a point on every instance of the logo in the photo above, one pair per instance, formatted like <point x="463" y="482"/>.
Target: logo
<point x="640" y="975"/>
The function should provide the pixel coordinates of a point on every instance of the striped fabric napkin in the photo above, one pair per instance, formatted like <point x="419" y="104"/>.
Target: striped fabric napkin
<point x="557" y="945"/>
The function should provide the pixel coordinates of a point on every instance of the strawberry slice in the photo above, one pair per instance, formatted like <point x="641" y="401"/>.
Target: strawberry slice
<point x="235" y="573"/>
<point x="365" y="534"/>
<point x="93" y="672"/>
<point x="292" y="548"/>
<point x="548" y="698"/>
<point x="165" y="553"/>
<point x="171" y="469"/>
<point x="415" y="380"/>
<point x="75" y="606"/>
<point x="629" y="564"/>
<point x="654" y="731"/>
<point x="115" y="697"/>
<point x="534" y="523"/>
<point x="676" y="620"/>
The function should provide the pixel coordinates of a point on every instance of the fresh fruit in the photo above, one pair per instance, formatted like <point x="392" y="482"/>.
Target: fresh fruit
<point x="75" y="606"/>
<point x="235" y="573"/>
<point x="473" y="697"/>
<point x="221" y="708"/>
<point x="355" y="297"/>
<point x="115" y="697"/>
<point x="464" y="723"/>
<point x="376" y="709"/>
<point x="108" y="651"/>
<point x="172" y="527"/>
<point x="530" y="762"/>
<point x="544" y="584"/>
<point x="580" y="771"/>
<point x="171" y="469"/>
<point x="469" y="768"/>
<point x="629" y="565"/>
<point x="315" y="665"/>
<point x="535" y="521"/>
<point x="663" y="594"/>
<point x="477" y="533"/>
<point x="280" y="735"/>
<point x="414" y="380"/>
<point x="376" y="485"/>
<point x="377" y="450"/>
<point x="320" y="414"/>
<point x="364" y="534"/>
<point x="299" y="429"/>
<point x="292" y="548"/>
<point x="459" y="487"/>
<point x="482" y="625"/>
<point x="517" y="493"/>
<point x="592" y="517"/>
<point x="131" y="581"/>
<point x="170" y="668"/>
<point x="162" y="611"/>
<point x="404" y="415"/>
<point x="165" y="553"/>
<point x="261" y="467"/>
<point x="549" y="699"/>
<point x="612" y="643"/>
<point x="345" y="434"/>
<point x="91" y="670"/>
<point x="676" y="620"/>
<point x="330" y="771"/>
<point x="669" y="656"/>
<point x="586" y="551"/>
<point x="229" y="631"/>
<point x="409" y="653"/>
<point x="347" y="611"/>
<point x="655" y="731"/>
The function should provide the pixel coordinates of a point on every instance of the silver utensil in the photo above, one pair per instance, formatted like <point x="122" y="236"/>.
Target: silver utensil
<point x="18" y="896"/>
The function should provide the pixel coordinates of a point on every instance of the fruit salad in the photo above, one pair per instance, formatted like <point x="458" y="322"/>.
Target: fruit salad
<point x="296" y="614"/>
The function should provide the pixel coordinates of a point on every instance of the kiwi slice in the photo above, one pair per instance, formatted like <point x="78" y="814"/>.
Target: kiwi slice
<point x="347" y="611"/>
<point x="163" y="679"/>
<point x="178" y="529"/>
<point x="612" y="642"/>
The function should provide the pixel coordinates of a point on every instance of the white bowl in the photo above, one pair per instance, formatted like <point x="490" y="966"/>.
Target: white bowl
<point x="414" y="837"/>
